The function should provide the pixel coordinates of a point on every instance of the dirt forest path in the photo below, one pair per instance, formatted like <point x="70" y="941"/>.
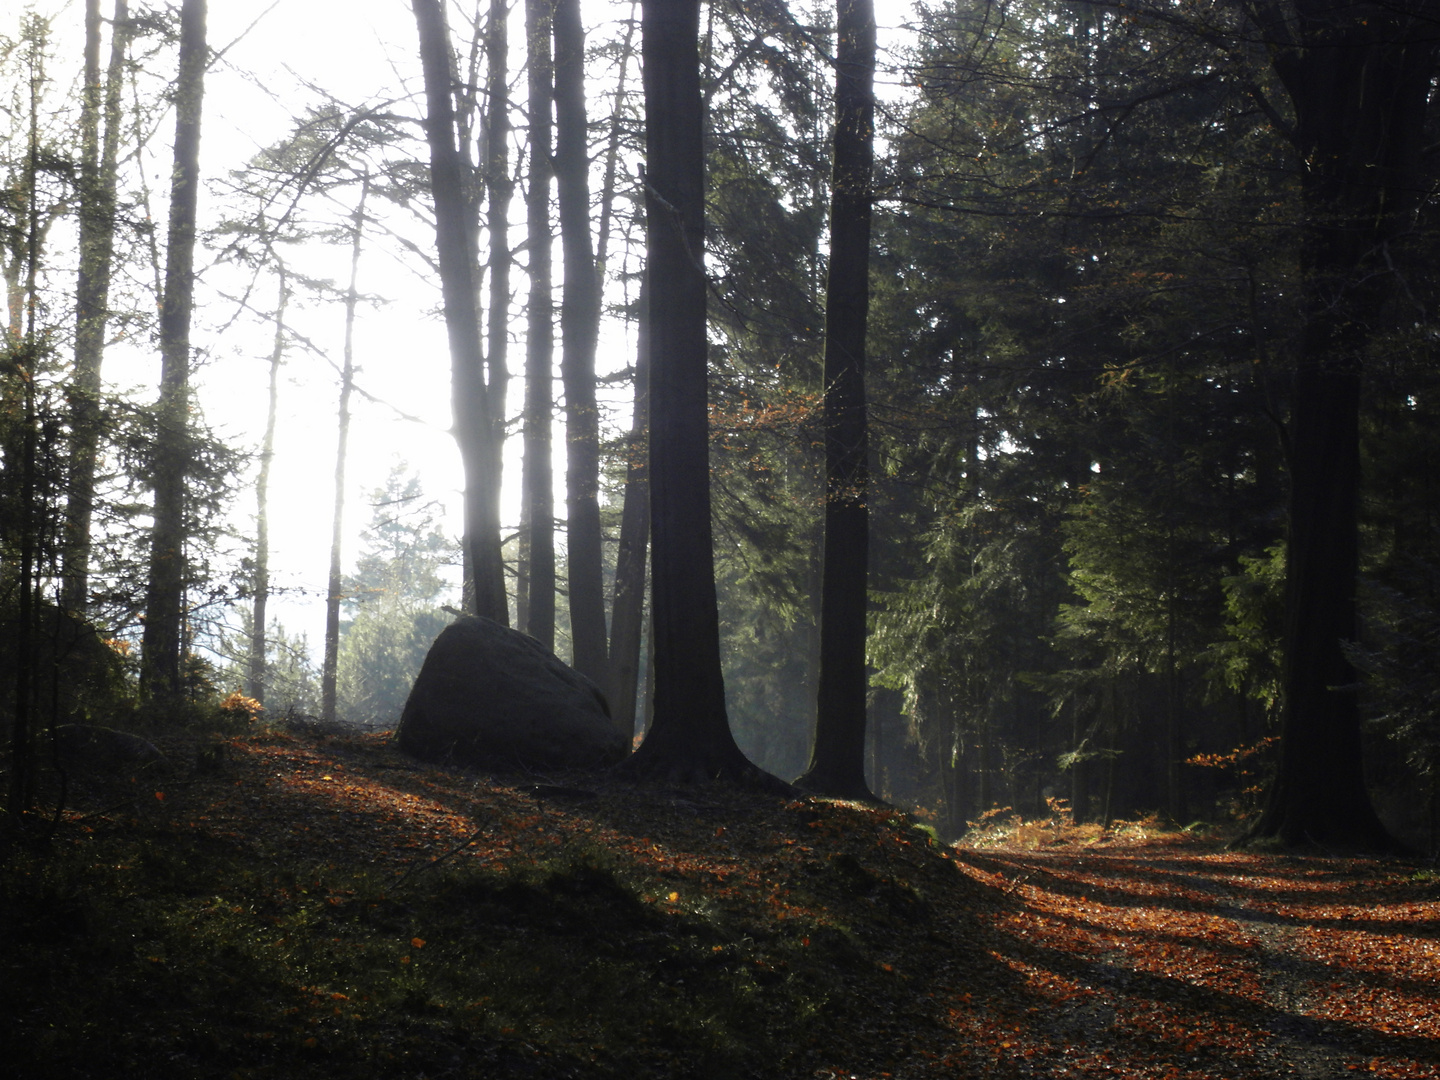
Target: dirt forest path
<point x="1156" y="962"/>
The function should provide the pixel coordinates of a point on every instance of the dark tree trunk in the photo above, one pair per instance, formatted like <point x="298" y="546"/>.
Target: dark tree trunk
<point x="837" y="764"/>
<point x="1359" y="78"/>
<point x="579" y="331"/>
<point x="537" y="481"/>
<point x="476" y="432"/>
<point x="259" y="642"/>
<point x="92" y="287"/>
<point x="689" y="739"/>
<point x="500" y="187"/>
<point x="334" y="590"/>
<point x="627" y="612"/>
<point x="165" y="593"/>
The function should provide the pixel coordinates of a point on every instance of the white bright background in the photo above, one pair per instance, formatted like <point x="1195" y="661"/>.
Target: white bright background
<point x="360" y="52"/>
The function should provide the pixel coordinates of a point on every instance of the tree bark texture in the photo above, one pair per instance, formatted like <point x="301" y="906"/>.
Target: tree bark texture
<point x="837" y="764"/>
<point x="1359" y="78"/>
<point x="476" y="432"/>
<point x="627" y="611"/>
<point x="500" y="188"/>
<point x="689" y="738"/>
<point x="537" y="480"/>
<point x="579" y="331"/>
<point x="92" y="287"/>
<point x="165" y="593"/>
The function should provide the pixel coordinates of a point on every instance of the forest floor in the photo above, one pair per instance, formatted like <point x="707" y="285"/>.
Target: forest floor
<point x="320" y="906"/>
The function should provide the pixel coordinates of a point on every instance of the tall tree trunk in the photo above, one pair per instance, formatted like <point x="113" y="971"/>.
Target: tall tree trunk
<point x="476" y="432"/>
<point x="500" y="188"/>
<point x="92" y="287"/>
<point x="165" y="594"/>
<point x="1358" y="75"/>
<point x="579" y="331"/>
<point x="23" y="358"/>
<point x="334" y="591"/>
<point x="627" y="612"/>
<point x="537" y="480"/>
<point x="690" y="738"/>
<point x="259" y="644"/>
<point x="837" y="765"/>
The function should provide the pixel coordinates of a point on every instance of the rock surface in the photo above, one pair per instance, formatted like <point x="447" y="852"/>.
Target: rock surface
<point x="491" y="697"/>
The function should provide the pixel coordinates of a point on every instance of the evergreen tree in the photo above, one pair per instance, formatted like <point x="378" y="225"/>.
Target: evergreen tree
<point x="395" y="598"/>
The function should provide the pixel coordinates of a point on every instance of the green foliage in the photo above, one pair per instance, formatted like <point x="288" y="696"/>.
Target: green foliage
<point x="1077" y="336"/>
<point x="380" y="655"/>
<point x="1248" y="659"/>
<point x="292" y="681"/>
<point x="79" y="676"/>
<point x="394" y="596"/>
<point x="1401" y="664"/>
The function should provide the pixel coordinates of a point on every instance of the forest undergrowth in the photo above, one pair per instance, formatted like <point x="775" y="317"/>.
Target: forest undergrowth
<point x="303" y="905"/>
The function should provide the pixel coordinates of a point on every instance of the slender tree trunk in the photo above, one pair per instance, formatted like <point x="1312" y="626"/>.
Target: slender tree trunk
<point x="165" y="595"/>
<point x="984" y="774"/>
<point x="22" y="755"/>
<point x="952" y="767"/>
<point x="1359" y="76"/>
<point x="631" y="557"/>
<point x="1079" y="768"/>
<point x="335" y="590"/>
<point x="628" y="608"/>
<point x="476" y="434"/>
<point x="690" y="738"/>
<point x="837" y="765"/>
<point x="92" y="287"/>
<point x="1176" y="802"/>
<point x="522" y="564"/>
<point x="500" y="187"/>
<point x="537" y="480"/>
<point x="19" y="374"/>
<point x="612" y="151"/>
<point x="579" y="331"/>
<point x="259" y="644"/>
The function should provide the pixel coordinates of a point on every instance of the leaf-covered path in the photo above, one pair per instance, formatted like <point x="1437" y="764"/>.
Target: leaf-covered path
<point x="323" y="907"/>
<point x="1173" y="961"/>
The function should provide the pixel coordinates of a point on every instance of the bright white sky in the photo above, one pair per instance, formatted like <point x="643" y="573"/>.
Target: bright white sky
<point x="360" y="52"/>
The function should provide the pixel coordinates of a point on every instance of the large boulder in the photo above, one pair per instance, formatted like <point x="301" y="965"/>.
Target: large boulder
<point x="492" y="697"/>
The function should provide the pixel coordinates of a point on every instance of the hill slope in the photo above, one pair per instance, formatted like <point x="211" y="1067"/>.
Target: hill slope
<point x="321" y="906"/>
